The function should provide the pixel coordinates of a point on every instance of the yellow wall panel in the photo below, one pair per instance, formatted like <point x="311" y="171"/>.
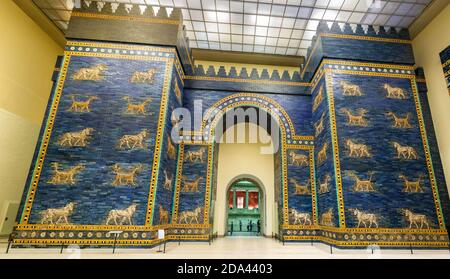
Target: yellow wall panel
<point x="27" y="56"/>
<point x="427" y="45"/>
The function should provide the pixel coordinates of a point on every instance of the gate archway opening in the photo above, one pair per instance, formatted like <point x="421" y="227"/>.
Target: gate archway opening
<point x="245" y="158"/>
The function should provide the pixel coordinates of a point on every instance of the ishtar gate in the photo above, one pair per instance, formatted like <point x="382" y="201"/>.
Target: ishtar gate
<point x="132" y="141"/>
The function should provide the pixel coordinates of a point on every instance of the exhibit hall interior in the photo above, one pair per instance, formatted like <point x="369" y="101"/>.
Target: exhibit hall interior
<point x="225" y="129"/>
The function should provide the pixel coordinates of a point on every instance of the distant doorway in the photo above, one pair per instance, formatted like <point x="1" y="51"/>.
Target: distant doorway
<point x="244" y="207"/>
<point x="244" y="162"/>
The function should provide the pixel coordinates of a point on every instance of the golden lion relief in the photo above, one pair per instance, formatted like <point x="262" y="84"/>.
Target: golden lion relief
<point x="322" y="154"/>
<point x="163" y="215"/>
<point x="171" y="151"/>
<point x="188" y="217"/>
<point x="400" y="122"/>
<point x="350" y="89"/>
<point x="122" y="214"/>
<point x="415" y="219"/>
<point x="133" y="141"/>
<point x="365" y="218"/>
<point x="75" y="139"/>
<point x="324" y="187"/>
<point x="167" y="181"/>
<point x="301" y="218"/>
<point x="394" y="92"/>
<point x="93" y="73"/>
<point x="66" y="176"/>
<point x="195" y="156"/>
<point x="404" y="151"/>
<point x="143" y="77"/>
<point x="300" y="189"/>
<point x="355" y="119"/>
<point x="357" y="150"/>
<point x="318" y="99"/>
<point x="412" y="186"/>
<point x="362" y="185"/>
<point x="191" y="185"/>
<point x="326" y="219"/>
<point x="298" y="159"/>
<point x="125" y="177"/>
<point x="81" y="106"/>
<point x="136" y="108"/>
<point x="60" y="214"/>
<point x="178" y="93"/>
<point x="318" y="126"/>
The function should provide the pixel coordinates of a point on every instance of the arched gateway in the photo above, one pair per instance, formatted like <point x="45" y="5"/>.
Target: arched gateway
<point x="235" y="159"/>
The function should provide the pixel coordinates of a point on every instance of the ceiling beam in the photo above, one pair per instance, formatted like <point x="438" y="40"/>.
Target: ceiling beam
<point x="42" y="21"/>
<point x="247" y="57"/>
<point x="427" y="16"/>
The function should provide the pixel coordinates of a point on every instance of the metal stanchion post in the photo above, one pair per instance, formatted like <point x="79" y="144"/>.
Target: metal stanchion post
<point x="115" y="241"/>
<point x="116" y="235"/>
<point x="410" y="247"/>
<point x="331" y="249"/>
<point x="159" y="248"/>
<point x="10" y="239"/>
<point x="162" y="237"/>
<point x="62" y="247"/>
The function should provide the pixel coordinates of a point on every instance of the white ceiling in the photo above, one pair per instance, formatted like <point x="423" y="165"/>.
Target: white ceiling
<point x="283" y="27"/>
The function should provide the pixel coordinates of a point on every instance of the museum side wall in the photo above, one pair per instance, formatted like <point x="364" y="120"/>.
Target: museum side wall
<point x="427" y="46"/>
<point x="26" y="84"/>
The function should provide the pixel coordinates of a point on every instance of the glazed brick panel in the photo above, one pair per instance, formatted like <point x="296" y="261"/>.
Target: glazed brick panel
<point x="93" y="191"/>
<point x="325" y="200"/>
<point x="388" y="196"/>
<point x="435" y="155"/>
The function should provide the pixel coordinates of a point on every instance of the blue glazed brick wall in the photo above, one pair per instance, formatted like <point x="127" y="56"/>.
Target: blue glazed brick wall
<point x="445" y="61"/>
<point x="386" y="45"/>
<point x="437" y="164"/>
<point x="387" y="195"/>
<point x="98" y="192"/>
<point x="326" y="200"/>
<point x="278" y="185"/>
<point x="93" y="191"/>
<point x="248" y="86"/>
<point x="299" y="186"/>
<point x="364" y="50"/>
<point x="214" y="182"/>
<point x="313" y="59"/>
<point x="167" y="166"/>
<point x="297" y="107"/>
<point x="193" y="170"/>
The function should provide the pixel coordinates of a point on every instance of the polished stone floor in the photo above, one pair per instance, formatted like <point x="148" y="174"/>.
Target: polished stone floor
<point x="227" y="248"/>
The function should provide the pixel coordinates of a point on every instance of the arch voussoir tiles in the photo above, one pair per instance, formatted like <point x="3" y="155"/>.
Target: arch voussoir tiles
<point x="214" y="113"/>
